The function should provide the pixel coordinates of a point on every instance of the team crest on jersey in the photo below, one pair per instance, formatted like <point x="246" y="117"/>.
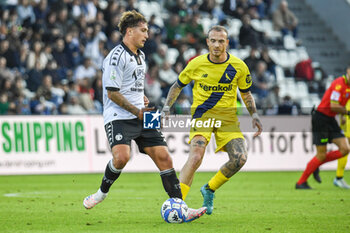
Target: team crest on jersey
<point x="228" y="75"/>
<point x="248" y="79"/>
<point x="139" y="73"/>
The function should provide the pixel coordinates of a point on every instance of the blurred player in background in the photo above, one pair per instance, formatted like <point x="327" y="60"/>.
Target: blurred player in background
<point x="124" y="101"/>
<point x="325" y="128"/>
<point x="216" y="77"/>
<point x="339" y="180"/>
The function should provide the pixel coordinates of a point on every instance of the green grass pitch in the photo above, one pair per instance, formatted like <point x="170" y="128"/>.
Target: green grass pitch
<point x="249" y="202"/>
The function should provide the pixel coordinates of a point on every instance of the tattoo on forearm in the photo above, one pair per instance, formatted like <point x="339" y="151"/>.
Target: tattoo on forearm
<point x="249" y="102"/>
<point x="237" y="153"/>
<point x="119" y="99"/>
<point x="173" y="94"/>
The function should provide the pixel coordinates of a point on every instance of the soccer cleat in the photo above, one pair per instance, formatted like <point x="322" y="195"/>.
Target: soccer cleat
<point x="341" y="183"/>
<point x="316" y="175"/>
<point x="208" y="196"/>
<point x="302" y="186"/>
<point x="92" y="200"/>
<point x="195" y="213"/>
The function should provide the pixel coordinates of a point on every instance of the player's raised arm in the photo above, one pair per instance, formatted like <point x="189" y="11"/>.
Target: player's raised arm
<point x="119" y="99"/>
<point x="249" y="102"/>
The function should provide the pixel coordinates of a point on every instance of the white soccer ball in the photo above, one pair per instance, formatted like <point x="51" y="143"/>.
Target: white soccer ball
<point x="174" y="210"/>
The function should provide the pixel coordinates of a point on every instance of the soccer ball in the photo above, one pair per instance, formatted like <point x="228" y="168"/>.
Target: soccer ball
<point x="174" y="210"/>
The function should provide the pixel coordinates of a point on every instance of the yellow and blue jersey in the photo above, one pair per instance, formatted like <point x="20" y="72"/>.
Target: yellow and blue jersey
<point x="215" y="86"/>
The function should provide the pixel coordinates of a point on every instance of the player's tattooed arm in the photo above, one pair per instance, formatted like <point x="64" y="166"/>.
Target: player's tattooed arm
<point x="173" y="94"/>
<point x="123" y="102"/>
<point x="237" y="153"/>
<point x="249" y="102"/>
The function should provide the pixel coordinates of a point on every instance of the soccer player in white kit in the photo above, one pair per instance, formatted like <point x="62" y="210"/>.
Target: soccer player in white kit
<point x="124" y="103"/>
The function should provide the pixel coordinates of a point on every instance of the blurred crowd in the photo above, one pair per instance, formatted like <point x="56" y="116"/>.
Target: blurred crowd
<point x="51" y="51"/>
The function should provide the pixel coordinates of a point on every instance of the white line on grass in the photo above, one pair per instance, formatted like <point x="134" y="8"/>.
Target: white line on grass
<point x="28" y="194"/>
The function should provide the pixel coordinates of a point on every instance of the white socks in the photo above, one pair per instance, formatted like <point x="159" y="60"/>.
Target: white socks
<point x="100" y="195"/>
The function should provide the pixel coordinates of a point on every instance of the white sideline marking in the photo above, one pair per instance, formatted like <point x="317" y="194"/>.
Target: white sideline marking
<point x="12" y="194"/>
<point x="28" y="194"/>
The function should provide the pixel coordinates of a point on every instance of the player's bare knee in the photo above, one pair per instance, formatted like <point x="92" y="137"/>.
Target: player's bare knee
<point x="164" y="161"/>
<point x="241" y="160"/>
<point x="344" y="150"/>
<point x="120" y="160"/>
<point x="237" y="160"/>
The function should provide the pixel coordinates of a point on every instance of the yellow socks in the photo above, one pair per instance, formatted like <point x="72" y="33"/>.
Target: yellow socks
<point x="184" y="190"/>
<point x="341" y="166"/>
<point x="216" y="181"/>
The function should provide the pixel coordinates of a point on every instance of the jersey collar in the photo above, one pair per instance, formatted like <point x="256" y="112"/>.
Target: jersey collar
<point x="346" y="80"/>
<point x="228" y="57"/>
<point x="129" y="51"/>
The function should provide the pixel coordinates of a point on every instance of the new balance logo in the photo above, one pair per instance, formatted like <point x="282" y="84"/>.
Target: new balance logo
<point x="204" y="75"/>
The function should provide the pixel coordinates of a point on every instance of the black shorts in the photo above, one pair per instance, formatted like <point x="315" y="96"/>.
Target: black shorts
<point x="123" y="131"/>
<point x="324" y="129"/>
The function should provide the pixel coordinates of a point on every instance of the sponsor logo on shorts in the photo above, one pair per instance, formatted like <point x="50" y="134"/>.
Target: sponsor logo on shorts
<point x="118" y="137"/>
<point x="324" y="140"/>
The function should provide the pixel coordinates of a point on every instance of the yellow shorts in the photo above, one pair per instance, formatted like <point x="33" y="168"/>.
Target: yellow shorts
<point x="224" y="133"/>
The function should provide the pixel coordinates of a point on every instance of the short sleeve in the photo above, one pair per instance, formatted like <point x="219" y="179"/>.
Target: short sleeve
<point x="185" y="75"/>
<point x="336" y="91"/>
<point x="113" y="76"/>
<point x="245" y="79"/>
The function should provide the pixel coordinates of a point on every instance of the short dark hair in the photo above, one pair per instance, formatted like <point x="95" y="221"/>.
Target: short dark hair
<point x="218" y="28"/>
<point x="130" y="19"/>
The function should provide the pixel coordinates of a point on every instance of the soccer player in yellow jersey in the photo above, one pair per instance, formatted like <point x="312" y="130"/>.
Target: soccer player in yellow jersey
<point x="216" y="77"/>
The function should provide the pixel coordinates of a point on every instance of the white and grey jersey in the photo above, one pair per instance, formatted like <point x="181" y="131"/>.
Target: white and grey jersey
<point x="123" y="71"/>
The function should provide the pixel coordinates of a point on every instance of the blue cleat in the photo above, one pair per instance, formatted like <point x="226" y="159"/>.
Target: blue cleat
<point x="208" y="196"/>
